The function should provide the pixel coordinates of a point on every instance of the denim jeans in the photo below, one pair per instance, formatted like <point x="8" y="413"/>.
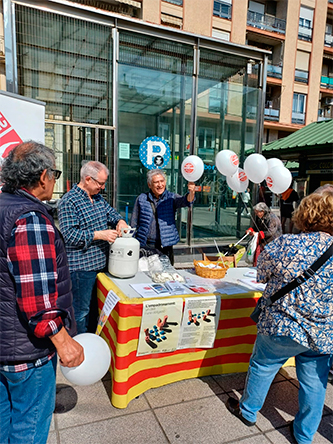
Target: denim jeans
<point x="27" y="401"/>
<point x="82" y="287"/>
<point x="269" y="354"/>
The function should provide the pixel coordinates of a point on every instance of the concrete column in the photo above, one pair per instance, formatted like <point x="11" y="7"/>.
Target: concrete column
<point x="2" y="52"/>
<point x="151" y="11"/>
<point x="289" y="61"/>
<point x="238" y="23"/>
<point x="316" y="60"/>
<point x="198" y="16"/>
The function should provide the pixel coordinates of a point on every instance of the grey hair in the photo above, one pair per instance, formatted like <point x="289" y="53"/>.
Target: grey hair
<point x="327" y="188"/>
<point x="92" y="168"/>
<point x="152" y="173"/>
<point x="24" y="165"/>
<point x="261" y="206"/>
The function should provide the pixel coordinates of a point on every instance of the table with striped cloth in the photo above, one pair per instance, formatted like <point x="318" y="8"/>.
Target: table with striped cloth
<point x="132" y="375"/>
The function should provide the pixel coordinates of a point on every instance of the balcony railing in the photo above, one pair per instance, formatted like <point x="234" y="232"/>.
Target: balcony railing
<point x="272" y="114"/>
<point x="301" y="76"/>
<point x="324" y="114"/>
<point x="298" y="118"/>
<point x="329" y="40"/>
<point x="274" y="71"/>
<point x="326" y="82"/>
<point x="222" y="9"/>
<point x="267" y="22"/>
<point x="305" y="33"/>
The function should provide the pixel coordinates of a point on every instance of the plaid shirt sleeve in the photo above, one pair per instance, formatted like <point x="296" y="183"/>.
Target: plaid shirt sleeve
<point x="31" y="257"/>
<point x="71" y="228"/>
<point x="113" y="216"/>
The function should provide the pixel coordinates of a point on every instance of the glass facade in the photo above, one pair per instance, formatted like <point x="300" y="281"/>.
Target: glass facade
<point x="200" y="100"/>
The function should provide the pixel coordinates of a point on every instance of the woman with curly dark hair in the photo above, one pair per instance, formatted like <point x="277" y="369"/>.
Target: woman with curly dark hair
<point x="300" y="323"/>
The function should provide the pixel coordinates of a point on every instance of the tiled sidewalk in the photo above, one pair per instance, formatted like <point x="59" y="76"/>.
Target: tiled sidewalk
<point x="188" y="412"/>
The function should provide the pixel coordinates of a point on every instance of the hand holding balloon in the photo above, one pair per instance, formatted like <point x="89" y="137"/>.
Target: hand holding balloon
<point x="97" y="357"/>
<point x="69" y="351"/>
<point x="191" y="189"/>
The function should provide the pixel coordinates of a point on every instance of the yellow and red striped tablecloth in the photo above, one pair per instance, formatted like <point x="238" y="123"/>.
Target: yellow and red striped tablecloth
<point x="132" y="375"/>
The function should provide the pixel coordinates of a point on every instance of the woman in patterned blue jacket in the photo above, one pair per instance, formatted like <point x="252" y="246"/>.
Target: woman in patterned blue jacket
<point x="299" y="324"/>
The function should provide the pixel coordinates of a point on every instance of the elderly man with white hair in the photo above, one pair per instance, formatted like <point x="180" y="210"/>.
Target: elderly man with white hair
<point x="154" y="214"/>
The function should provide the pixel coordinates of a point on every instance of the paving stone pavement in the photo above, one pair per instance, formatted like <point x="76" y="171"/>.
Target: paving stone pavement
<point x="187" y="412"/>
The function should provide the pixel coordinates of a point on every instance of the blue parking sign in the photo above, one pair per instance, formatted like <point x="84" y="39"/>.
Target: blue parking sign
<point x="154" y="153"/>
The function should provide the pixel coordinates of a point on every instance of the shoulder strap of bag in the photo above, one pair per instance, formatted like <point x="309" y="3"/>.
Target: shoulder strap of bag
<point x="302" y="278"/>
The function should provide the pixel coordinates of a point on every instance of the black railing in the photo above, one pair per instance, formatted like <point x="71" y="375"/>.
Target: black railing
<point x="267" y="22"/>
<point x="222" y="9"/>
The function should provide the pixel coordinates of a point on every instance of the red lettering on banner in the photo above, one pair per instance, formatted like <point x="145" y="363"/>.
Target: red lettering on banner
<point x="8" y="137"/>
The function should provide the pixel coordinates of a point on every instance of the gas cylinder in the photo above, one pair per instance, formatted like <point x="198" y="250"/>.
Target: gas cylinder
<point x="124" y="255"/>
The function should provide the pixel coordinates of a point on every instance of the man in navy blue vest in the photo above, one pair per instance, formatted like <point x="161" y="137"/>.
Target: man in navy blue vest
<point x="36" y="314"/>
<point x="154" y="214"/>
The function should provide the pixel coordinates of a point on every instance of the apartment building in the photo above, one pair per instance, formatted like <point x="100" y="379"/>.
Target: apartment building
<point x="203" y="75"/>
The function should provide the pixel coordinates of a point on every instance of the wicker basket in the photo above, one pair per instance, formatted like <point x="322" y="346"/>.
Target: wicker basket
<point x="210" y="273"/>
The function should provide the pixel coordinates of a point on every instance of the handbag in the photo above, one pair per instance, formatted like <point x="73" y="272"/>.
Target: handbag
<point x="291" y="285"/>
<point x="251" y="248"/>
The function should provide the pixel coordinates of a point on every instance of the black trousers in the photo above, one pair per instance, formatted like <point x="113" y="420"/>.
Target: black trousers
<point x="168" y="251"/>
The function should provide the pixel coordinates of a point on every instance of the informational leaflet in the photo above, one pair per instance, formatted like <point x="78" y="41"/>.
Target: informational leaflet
<point x="200" y="322"/>
<point x="160" y="326"/>
<point x="169" y="288"/>
<point x="109" y="304"/>
<point x="253" y="284"/>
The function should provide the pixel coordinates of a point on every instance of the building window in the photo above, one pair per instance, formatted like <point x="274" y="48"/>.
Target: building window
<point x="221" y="35"/>
<point x="175" y="2"/>
<point x="305" y="24"/>
<point x="222" y="9"/>
<point x="298" y="113"/>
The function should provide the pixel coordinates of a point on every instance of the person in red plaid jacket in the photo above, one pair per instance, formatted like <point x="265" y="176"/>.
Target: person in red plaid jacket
<point x="36" y="314"/>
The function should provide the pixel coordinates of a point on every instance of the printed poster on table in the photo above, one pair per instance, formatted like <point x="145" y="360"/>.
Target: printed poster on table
<point x="200" y="322"/>
<point x="160" y="324"/>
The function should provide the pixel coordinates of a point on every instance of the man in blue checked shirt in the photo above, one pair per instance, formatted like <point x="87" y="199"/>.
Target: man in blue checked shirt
<point x="85" y="219"/>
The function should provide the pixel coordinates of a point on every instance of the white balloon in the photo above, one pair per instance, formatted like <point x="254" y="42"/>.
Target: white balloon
<point x="238" y="181"/>
<point x="192" y="168"/>
<point x="256" y="167"/>
<point x="278" y="179"/>
<point x="97" y="358"/>
<point x="273" y="162"/>
<point x="226" y="162"/>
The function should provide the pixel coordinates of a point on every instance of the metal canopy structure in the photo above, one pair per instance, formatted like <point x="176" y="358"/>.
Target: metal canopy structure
<point x="315" y="138"/>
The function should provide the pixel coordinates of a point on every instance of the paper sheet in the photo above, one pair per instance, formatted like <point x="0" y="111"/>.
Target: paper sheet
<point x="200" y="321"/>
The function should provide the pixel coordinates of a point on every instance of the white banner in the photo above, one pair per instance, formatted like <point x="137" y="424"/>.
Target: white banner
<point x="21" y="119"/>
